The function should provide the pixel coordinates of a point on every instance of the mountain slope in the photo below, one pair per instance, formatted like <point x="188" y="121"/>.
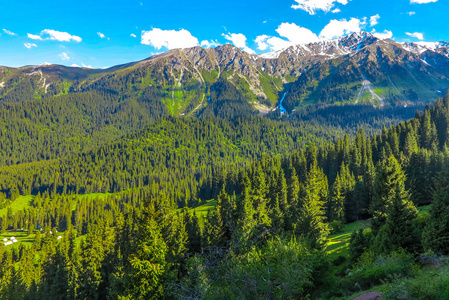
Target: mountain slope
<point x="359" y="68"/>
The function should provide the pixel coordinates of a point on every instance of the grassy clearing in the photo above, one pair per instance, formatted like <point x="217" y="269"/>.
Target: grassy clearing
<point x="21" y="236"/>
<point x="202" y="210"/>
<point x="423" y="209"/>
<point x="338" y="244"/>
<point x="17" y="205"/>
<point x="24" y="202"/>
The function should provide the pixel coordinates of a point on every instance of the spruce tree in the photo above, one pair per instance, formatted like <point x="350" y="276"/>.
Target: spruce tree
<point x="436" y="232"/>
<point x="312" y="214"/>
<point x="398" y="231"/>
<point x="292" y="200"/>
<point x="148" y="262"/>
<point x="389" y="181"/>
<point x="336" y="201"/>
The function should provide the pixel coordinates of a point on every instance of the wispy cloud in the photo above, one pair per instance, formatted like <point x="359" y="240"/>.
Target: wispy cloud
<point x="422" y="1"/>
<point x="101" y="35"/>
<point x="29" y="45"/>
<point x="9" y="32"/>
<point x="418" y="35"/>
<point x="34" y="36"/>
<point x="50" y="34"/>
<point x="64" y="56"/>
<point x="133" y="35"/>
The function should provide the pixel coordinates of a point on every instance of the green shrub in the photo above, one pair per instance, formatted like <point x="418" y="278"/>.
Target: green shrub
<point x="371" y="270"/>
<point x="429" y="285"/>
<point x="336" y="227"/>
<point x="279" y="270"/>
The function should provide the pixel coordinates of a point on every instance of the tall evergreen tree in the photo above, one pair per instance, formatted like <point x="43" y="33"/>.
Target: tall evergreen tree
<point x="312" y="211"/>
<point x="389" y="183"/>
<point x="436" y="232"/>
<point x="148" y="262"/>
<point x="398" y="231"/>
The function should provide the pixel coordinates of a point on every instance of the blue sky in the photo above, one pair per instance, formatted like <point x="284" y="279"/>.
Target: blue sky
<point x="100" y="33"/>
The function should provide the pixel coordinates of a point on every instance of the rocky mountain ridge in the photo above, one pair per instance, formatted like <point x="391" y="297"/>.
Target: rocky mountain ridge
<point x="358" y="68"/>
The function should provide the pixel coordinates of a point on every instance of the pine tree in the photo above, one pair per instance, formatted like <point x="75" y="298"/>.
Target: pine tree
<point x="429" y="138"/>
<point x="260" y="200"/>
<point x="389" y="181"/>
<point x="292" y="200"/>
<point x="411" y="145"/>
<point x="436" y="232"/>
<point x="214" y="234"/>
<point x="312" y="214"/>
<point x="194" y="232"/>
<point x="148" y="262"/>
<point x="398" y="232"/>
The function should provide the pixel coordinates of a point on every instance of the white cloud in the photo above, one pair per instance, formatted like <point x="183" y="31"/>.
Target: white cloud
<point x="311" y="6"/>
<point x="60" y="36"/>
<point x="418" y="35"/>
<point x="277" y="43"/>
<point x="64" y="56"/>
<point x="296" y="34"/>
<point x="339" y="28"/>
<point x="29" y="45"/>
<point x="101" y="35"/>
<point x="239" y="40"/>
<point x="170" y="39"/>
<point x="335" y="11"/>
<point x="50" y="34"/>
<point x="422" y="1"/>
<point x="411" y="13"/>
<point x="8" y="32"/>
<point x="34" y="36"/>
<point x="86" y="66"/>
<point x="261" y="42"/>
<point x="209" y="44"/>
<point x="133" y="35"/>
<point x="292" y="32"/>
<point x="387" y="34"/>
<point x="75" y="66"/>
<point x="374" y="20"/>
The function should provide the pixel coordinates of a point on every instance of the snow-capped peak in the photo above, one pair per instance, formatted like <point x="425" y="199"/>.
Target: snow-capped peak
<point x="330" y="48"/>
<point x="421" y="47"/>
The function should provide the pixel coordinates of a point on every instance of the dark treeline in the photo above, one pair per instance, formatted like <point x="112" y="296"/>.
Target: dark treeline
<point x="56" y="127"/>
<point x="353" y="117"/>
<point x="185" y="151"/>
<point x="266" y="237"/>
<point x="174" y="155"/>
<point x="417" y="144"/>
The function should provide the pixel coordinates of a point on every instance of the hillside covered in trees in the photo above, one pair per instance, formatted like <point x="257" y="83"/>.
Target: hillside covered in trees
<point x="279" y="188"/>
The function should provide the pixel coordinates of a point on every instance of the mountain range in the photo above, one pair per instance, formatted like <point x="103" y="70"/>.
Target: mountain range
<point x="359" y="69"/>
